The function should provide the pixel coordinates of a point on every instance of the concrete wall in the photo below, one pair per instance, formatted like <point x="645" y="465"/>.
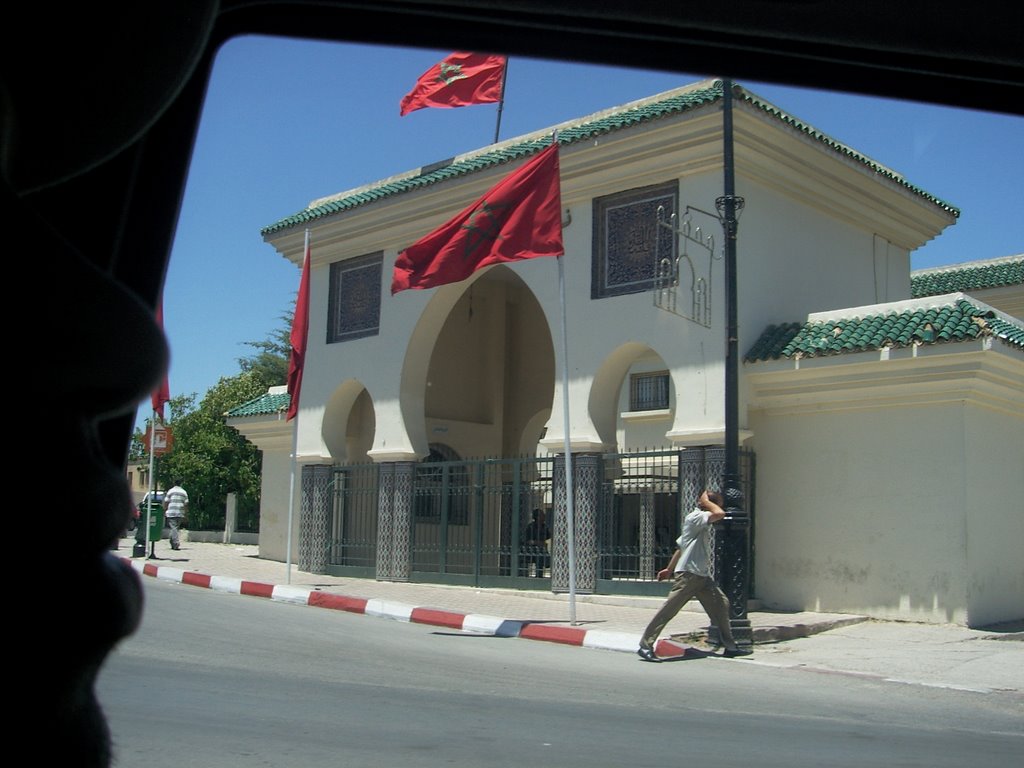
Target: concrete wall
<point x="855" y="514"/>
<point x="217" y="537"/>
<point x="994" y="515"/>
<point x="276" y="482"/>
<point x="899" y="500"/>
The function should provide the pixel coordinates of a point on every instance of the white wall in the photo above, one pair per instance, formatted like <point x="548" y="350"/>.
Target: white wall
<point x="892" y="488"/>
<point x="862" y="511"/>
<point x="276" y="481"/>
<point x="994" y="509"/>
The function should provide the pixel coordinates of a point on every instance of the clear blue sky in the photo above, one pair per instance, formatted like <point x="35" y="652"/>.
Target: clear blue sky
<point x="288" y="121"/>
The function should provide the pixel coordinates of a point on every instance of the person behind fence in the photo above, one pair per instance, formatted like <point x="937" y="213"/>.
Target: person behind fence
<point x="690" y="570"/>
<point x="535" y="544"/>
<point x="175" y="510"/>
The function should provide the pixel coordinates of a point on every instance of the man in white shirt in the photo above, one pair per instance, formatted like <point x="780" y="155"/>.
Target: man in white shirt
<point x="690" y="569"/>
<point x="175" y="509"/>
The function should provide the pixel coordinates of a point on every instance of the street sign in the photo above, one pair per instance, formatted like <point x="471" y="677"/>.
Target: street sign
<point x="162" y="438"/>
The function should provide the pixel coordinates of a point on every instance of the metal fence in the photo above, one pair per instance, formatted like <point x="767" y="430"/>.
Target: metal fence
<point x="468" y="518"/>
<point x="644" y="497"/>
<point x="353" y="522"/>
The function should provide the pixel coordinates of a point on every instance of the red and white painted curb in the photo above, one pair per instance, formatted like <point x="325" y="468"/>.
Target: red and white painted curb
<point x="475" y="623"/>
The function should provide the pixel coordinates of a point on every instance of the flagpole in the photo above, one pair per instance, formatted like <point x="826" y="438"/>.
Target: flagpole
<point x="569" y="514"/>
<point x="501" y="101"/>
<point x="291" y="497"/>
<point x="301" y="306"/>
<point x="158" y="399"/>
<point x="149" y="498"/>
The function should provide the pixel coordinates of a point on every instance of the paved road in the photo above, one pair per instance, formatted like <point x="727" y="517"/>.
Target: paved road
<point x="903" y="653"/>
<point x="225" y="681"/>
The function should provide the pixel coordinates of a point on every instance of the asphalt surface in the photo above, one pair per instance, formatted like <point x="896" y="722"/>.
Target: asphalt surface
<point x="985" y="661"/>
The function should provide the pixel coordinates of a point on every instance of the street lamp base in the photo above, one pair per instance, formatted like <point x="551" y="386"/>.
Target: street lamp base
<point x="742" y="633"/>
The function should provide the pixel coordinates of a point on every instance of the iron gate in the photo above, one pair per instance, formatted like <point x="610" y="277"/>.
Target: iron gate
<point x="353" y="522"/>
<point x="643" y="499"/>
<point x="468" y="517"/>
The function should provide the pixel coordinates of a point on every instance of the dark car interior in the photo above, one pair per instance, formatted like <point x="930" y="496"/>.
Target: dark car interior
<point x="99" y="107"/>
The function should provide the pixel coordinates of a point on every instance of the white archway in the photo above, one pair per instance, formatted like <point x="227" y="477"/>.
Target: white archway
<point x="349" y="422"/>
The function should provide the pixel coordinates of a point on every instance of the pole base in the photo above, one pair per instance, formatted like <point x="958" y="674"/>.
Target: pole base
<point x="742" y="633"/>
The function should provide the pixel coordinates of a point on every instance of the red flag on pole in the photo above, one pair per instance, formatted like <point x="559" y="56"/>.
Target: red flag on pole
<point x="458" y="80"/>
<point x="161" y="394"/>
<point x="520" y="218"/>
<point x="299" y="335"/>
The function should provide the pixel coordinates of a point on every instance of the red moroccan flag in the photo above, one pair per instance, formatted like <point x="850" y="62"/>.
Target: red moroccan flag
<point x="299" y="335"/>
<point x="520" y="218"/>
<point x="459" y="80"/>
<point x="161" y="394"/>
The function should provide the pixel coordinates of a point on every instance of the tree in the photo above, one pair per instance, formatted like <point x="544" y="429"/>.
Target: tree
<point x="271" y="362"/>
<point x="210" y="458"/>
<point x="137" y="449"/>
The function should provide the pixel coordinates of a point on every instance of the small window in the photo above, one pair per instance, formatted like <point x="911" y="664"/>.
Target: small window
<point x="648" y="391"/>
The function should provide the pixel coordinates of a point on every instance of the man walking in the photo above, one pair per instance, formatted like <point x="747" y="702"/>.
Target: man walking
<point x="535" y="546"/>
<point x="690" y="569"/>
<point x="175" y="509"/>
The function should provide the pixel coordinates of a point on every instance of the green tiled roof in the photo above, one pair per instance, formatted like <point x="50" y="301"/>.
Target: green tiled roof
<point x="264" y="405"/>
<point x="646" y="110"/>
<point x="967" y="277"/>
<point x="959" y="320"/>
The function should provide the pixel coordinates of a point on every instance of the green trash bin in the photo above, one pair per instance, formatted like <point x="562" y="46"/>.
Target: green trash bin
<point x="156" y="521"/>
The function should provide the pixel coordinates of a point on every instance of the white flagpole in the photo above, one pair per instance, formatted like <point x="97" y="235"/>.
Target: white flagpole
<point x="569" y="514"/>
<point x="152" y="480"/>
<point x="291" y="495"/>
<point x="295" y="455"/>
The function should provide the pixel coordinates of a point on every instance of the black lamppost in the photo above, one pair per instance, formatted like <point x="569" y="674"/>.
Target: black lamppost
<point x="732" y="549"/>
<point x="732" y="539"/>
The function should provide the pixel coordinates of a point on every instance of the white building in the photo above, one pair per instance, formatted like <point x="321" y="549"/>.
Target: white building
<point x="886" y="429"/>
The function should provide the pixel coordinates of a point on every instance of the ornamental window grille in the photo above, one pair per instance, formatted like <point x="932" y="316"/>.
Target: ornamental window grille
<point x="628" y="240"/>
<point x="353" y="306"/>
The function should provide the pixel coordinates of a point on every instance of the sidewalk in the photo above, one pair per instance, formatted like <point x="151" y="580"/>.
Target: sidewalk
<point x="925" y="654"/>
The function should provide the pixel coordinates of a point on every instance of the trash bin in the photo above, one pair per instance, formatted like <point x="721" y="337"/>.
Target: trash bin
<point x="156" y="522"/>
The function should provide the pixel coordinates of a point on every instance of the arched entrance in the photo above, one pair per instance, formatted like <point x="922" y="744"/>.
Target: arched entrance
<point x="490" y="371"/>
